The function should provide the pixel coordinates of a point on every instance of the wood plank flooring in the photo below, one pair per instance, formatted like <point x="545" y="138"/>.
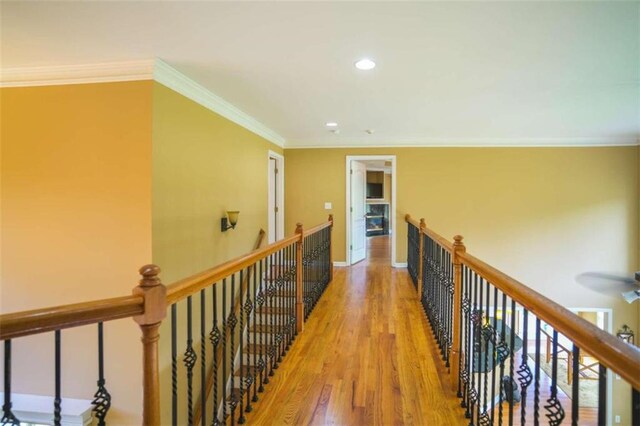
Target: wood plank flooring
<point x="366" y="357"/>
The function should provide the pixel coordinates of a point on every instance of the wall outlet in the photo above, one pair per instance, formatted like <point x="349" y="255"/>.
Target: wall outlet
<point x="617" y="419"/>
<point x="328" y="206"/>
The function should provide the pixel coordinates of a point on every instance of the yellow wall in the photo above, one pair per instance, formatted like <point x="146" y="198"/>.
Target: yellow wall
<point x="203" y="165"/>
<point x="76" y="226"/>
<point x="544" y="215"/>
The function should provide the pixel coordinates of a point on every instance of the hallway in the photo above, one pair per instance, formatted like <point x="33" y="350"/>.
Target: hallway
<point x="366" y="357"/>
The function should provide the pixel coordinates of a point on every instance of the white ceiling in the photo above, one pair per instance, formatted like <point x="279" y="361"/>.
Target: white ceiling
<point x="452" y="73"/>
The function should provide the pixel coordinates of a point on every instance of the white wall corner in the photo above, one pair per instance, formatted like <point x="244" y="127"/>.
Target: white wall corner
<point x="167" y="75"/>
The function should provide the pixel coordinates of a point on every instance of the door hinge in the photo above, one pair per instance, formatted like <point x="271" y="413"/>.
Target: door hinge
<point x="351" y="171"/>
<point x="351" y="209"/>
<point x="350" y="247"/>
<point x="276" y="170"/>
<point x="275" y="209"/>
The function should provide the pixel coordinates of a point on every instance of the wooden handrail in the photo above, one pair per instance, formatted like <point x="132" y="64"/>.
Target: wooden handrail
<point x="37" y="321"/>
<point x="446" y="244"/>
<point x="608" y="349"/>
<point x="316" y="228"/>
<point x="193" y="284"/>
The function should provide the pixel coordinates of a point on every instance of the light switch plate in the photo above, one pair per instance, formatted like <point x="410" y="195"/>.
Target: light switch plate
<point x="328" y="206"/>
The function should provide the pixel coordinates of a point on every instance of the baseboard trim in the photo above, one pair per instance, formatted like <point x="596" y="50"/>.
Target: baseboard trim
<point x="340" y="264"/>
<point x="399" y="264"/>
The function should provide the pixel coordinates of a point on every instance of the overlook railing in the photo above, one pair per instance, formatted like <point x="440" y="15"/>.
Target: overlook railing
<point x="490" y="328"/>
<point x="247" y="312"/>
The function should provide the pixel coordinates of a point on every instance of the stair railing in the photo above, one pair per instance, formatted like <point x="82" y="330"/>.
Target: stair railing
<point x="490" y="329"/>
<point x="284" y="280"/>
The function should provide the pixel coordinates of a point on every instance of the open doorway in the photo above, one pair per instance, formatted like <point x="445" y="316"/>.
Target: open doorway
<point x="371" y="207"/>
<point x="275" y="203"/>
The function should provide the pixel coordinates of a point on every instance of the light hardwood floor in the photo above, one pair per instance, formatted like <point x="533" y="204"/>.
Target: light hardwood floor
<point x="366" y="357"/>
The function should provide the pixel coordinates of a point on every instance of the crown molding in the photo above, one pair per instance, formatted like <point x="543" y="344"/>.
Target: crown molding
<point x="77" y="74"/>
<point x="168" y="76"/>
<point x="155" y="69"/>
<point x="474" y="143"/>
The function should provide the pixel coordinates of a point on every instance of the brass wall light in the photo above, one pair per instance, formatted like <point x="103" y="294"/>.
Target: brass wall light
<point x="229" y="221"/>
<point x="626" y="334"/>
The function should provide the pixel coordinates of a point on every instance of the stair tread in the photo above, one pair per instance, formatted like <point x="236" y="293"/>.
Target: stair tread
<point x="277" y="310"/>
<point x="267" y="328"/>
<point x="255" y="348"/>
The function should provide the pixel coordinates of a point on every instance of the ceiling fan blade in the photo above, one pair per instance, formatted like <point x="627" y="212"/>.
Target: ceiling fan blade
<point x="608" y="284"/>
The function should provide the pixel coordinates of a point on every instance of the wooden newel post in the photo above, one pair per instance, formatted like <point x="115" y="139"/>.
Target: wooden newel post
<point x="331" y="247"/>
<point x="458" y="248"/>
<point x="155" y="309"/>
<point x="299" y="289"/>
<point x="423" y="226"/>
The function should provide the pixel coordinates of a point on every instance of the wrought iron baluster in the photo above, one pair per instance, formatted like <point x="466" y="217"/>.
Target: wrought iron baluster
<point x="262" y="299"/>
<point x="555" y="412"/>
<point x="101" y="399"/>
<point x="524" y="372"/>
<point x="241" y="418"/>
<point x="476" y="318"/>
<point x="248" y="309"/>
<point x="203" y="359"/>
<point x="512" y="360"/>
<point x="502" y="354"/>
<point x="270" y="303"/>
<point x="575" y="385"/>
<point x="256" y="371"/>
<point x="466" y="308"/>
<point x="214" y="338"/>
<point x="484" y="341"/>
<point x="174" y="365"/>
<point x="189" y="360"/>
<point x="225" y="334"/>
<point x="8" y="418"/>
<point x="278" y="307"/>
<point x="57" y="401"/>
<point x="602" y="394"/>
<point x="536" y="380"/>
<point x="493" y="350"/>
<point x="232" y="322"/>
<point x="635" y="407"/>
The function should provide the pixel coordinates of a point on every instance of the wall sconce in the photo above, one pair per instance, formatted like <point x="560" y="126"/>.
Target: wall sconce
<point x="230" y="223"/>
<point x="626" y="334"/>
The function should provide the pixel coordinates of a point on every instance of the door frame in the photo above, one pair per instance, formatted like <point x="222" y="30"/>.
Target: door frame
<point x="279" y="188"/>
<point x="392" y="209"/>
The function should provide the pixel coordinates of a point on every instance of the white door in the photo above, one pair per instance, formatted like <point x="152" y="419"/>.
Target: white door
<point x="358" y="175"/>
<point x="275" y="217"/>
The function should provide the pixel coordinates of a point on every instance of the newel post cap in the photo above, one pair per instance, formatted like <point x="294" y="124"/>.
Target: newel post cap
<point x="154" y="293"/>
<point x="331" y="218"/>
<point x="423" y="224"/>
<point x="458" y="245"/>
<point x="298" y="228"/>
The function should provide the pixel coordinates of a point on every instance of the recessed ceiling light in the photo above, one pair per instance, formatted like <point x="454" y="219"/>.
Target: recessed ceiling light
<point x="365" y="64"/>
<point x="332" y="124"/>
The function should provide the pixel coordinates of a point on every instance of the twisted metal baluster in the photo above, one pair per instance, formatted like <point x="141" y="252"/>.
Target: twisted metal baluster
<point x="256" y="369"/>
<point x="466" y="308"/>
<point x="241" y="418"/>
<point x="484" y="419"/>
<point x="8" y="418"/>
<point x="174" y="365"/>
<point x="250" y="371"/>
<point x="262" y="363"/>
<point x="272" y="326"/>
<point x="189" y="361"/>
<point x="525" y="377"/>
<point x="214" y="338"/>
<point x="101" y="399"/>
<point x="232" y="321"/>
<point x="555" y="412"/>
<point x="57" y="401"/>
<point x="225" y="334"/>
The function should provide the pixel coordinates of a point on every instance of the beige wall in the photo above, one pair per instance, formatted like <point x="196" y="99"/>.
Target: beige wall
<point x="543" y="215"/>
<point x="76" y="226"/>
<point x="203" y="165"/>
